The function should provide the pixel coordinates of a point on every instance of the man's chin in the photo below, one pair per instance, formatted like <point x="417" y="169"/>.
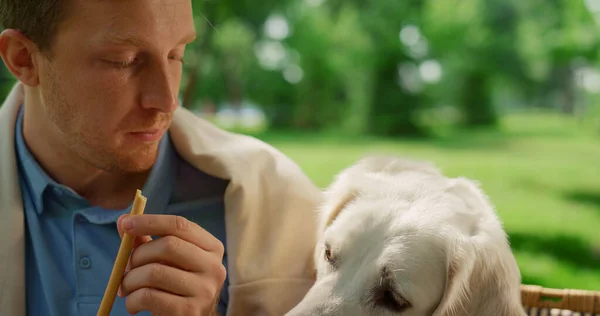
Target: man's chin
<point x="136" y="166"/>
<point x="138" y="161"/>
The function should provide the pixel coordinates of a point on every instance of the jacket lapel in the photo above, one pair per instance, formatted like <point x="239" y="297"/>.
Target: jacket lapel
<point x="270" y="216"/>
<point x="12" y="221"/>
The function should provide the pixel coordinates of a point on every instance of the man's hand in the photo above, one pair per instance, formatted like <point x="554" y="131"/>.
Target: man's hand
<point x="180" y="273"/>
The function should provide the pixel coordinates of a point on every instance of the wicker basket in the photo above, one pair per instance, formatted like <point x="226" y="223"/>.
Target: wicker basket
<point x="539" y="301"/>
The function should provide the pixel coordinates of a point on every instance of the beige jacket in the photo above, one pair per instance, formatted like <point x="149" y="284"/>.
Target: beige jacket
<point x="270" y="215"/>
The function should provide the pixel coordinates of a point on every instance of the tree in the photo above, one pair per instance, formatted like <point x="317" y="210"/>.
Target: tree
<point x="210" y="16"/>
<point x="476" y="43"/>
<point x="557" y="38"/>
<point x="393" y="109"/>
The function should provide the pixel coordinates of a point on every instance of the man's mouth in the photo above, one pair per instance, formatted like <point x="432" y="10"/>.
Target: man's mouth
<point x="148" y="135"/>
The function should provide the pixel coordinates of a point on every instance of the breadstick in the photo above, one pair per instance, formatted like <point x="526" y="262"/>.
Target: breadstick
<point x="121" y="261"/>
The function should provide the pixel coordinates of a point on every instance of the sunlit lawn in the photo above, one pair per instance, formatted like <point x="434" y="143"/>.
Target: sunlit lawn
<point x="541" y="172"/>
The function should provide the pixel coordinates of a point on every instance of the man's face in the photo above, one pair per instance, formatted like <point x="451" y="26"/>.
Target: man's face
<point x="110" y="86"/>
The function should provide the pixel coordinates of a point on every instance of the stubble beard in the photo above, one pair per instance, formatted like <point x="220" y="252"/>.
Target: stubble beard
<point x="85" y="141"/>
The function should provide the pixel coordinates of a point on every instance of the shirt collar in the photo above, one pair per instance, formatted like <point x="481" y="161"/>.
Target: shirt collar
<point x="158" y="187"/>
<point x="36" y="180"/>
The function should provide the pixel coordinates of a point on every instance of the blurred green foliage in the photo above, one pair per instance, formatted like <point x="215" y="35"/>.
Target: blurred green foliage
<point x="386" y="67"/>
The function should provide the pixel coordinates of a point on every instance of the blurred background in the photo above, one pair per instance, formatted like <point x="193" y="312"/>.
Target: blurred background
<point x="502" y="91"/>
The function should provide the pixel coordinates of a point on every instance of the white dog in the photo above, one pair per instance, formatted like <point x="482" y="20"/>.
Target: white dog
<point x="399" y="238"/>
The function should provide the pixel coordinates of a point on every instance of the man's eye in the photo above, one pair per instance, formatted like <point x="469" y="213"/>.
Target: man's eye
<point x="177" y="58"/>
<point x="121" y="64"/>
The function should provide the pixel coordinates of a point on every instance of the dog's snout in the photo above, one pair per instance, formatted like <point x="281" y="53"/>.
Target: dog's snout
<point x="317" y="311"/>
<point x="299" y="313"/>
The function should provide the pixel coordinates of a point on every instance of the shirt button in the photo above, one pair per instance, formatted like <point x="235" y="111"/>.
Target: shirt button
<point x="85" y="262"/>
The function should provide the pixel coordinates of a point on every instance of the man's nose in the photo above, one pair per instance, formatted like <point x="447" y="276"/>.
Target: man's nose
<point x="159" y="91"/>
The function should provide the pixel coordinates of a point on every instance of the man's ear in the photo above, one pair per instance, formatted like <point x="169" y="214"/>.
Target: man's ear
<point x="18" y="52"/>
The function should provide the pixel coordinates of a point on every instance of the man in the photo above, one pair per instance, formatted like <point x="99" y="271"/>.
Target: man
<point x="93" y="118"/>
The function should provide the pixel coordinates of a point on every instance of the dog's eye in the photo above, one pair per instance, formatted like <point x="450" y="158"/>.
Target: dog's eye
<point x="386" y="297"/>
<point x="393" y="302"/>
<point x="328" y="255"/>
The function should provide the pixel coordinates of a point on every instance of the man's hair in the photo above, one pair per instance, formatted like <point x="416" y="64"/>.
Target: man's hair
<point x="36" y="19"/>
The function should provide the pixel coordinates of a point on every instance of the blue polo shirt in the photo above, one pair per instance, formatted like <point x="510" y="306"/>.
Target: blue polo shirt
<point x="72" y="245"/>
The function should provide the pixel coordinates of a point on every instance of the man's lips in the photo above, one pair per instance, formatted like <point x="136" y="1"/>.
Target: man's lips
<point x="149" y="135"/>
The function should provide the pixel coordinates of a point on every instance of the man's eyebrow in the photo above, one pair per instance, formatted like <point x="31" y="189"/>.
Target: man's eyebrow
<point x="140" y="42"/>
<point x="125" y="40"/>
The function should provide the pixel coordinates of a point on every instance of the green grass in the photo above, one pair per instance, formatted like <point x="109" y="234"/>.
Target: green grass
<point x="542" y="172"/>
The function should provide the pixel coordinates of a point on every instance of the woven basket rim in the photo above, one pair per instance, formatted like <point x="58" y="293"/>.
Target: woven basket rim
<point x="575" y="300"/>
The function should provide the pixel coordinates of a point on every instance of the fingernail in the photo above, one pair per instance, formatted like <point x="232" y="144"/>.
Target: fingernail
<point x="120" y="219"/>
<point x="128" y="266"/>
<point x="119" y="292"/>
<point x="127" y="223"/>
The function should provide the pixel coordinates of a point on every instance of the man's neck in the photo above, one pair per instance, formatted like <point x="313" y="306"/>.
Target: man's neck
<point x="99" y="187"/>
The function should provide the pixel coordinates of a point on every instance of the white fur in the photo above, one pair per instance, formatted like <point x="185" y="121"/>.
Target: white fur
<point x="439" y="238"/>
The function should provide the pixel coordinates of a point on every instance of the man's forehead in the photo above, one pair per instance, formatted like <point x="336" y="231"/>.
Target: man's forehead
<point x="132" y="19"/>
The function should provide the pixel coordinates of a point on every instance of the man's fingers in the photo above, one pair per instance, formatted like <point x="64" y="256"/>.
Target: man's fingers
<point x="161" y="303"/>
<point x="171" y="225"/>
<point x="156" y="302"/>
<point x="119" y="226"/>
<point x="177" y="274"/>
<point x="161" y="277"/>
<point x="138" y="240"/>
<point x="177" y="253"/>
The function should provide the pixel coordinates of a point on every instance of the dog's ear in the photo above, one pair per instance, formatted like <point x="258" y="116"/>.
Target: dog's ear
<point x="457" y="293"/>
<point x="482" y="274"/>
<point x="478" y="283"/>
<point x="335" y="208"/>
<point x="341" y="192"/>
